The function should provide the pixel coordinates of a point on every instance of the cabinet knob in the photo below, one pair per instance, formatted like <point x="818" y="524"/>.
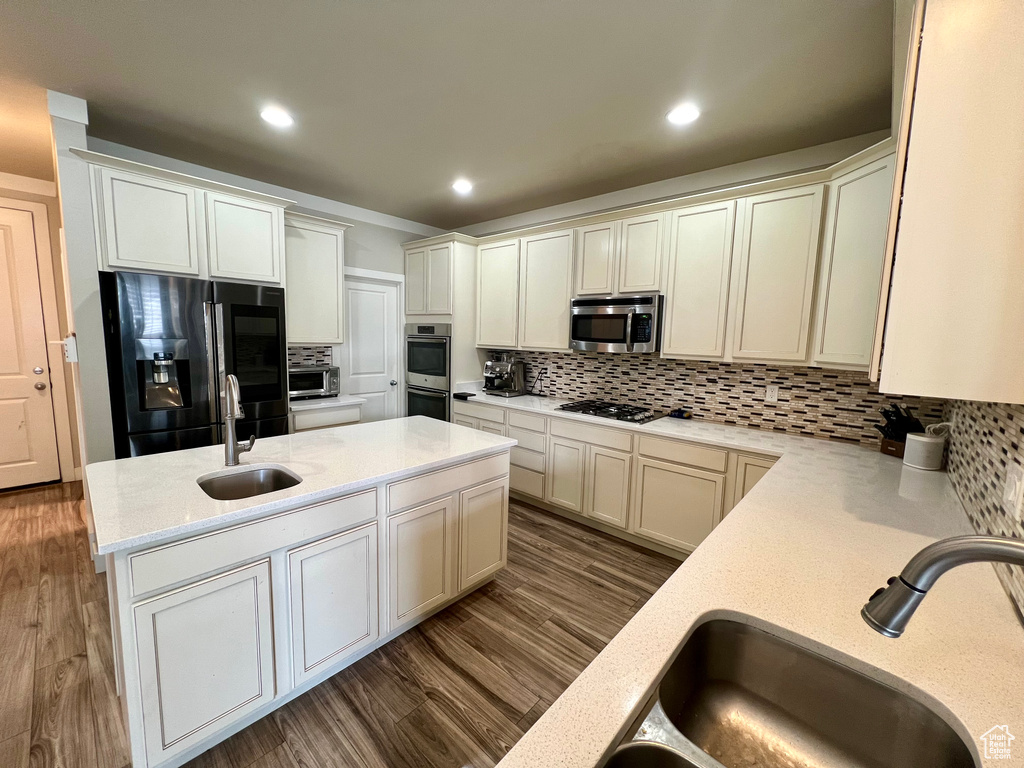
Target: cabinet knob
<point x="40" y="385"/>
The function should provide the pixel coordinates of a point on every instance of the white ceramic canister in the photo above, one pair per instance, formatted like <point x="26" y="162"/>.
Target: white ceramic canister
<point x="925" y="451"/>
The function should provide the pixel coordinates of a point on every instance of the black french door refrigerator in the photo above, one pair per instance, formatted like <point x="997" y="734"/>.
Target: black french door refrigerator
<point x="170" y="343"/>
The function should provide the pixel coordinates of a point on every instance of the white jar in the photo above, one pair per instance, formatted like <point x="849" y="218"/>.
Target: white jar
<point x="924" y="451"/>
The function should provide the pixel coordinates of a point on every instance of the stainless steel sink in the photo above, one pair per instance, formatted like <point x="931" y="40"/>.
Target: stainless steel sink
<point x="748" y="698"/>
<point x="226" y="486"/>
<point x="644" y="754"/>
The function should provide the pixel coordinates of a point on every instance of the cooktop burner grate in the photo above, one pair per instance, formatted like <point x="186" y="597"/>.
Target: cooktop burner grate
<point x="631" y="413"/>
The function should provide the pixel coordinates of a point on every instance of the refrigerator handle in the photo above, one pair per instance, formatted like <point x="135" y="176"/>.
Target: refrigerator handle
<point x="213" y="320"/>
<point x="218" y="310"/>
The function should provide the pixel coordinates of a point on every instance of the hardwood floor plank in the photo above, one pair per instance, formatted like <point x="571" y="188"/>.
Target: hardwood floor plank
<point x="534" y="714"/>
<point x="14" y="751"/>
<point x="111" y="740"/>
<point x="392" y="689"/>
<point x="279" y="758"/>
<point x="18" y="644"/>
<point x="61" y="634"/>
<point x="501" y="604"/>
<point x="440" y="742"/>
<point x="21" y="551"/>
<point x="243" y="748"/>
<point x="658" y="566"/>
<point x="63" y="734"/>
<point x="311" y="735"/>
<point x="91" y="585"/>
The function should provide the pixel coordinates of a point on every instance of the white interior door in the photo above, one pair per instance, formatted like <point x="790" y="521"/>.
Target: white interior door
<point x="370" y="356"/>
<point x="28" y="438"/>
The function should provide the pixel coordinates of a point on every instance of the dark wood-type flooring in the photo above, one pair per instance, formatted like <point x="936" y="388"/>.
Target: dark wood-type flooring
<point x="457" y="691"/>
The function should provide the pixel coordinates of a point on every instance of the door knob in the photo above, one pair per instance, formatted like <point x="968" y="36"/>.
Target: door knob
<point x="37" y="370"/>
<point x="40" y="385"/>
<point x="394" y="383"/>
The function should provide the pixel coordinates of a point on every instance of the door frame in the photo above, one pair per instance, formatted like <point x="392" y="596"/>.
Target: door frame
<point x="51" y="327"/>
<point x="397" y="280"/>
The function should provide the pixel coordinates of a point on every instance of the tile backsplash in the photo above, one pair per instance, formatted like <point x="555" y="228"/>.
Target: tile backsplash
<point x="316" y="355"/>
<point x="985" y="439"/>
<point x="840" y="405"/>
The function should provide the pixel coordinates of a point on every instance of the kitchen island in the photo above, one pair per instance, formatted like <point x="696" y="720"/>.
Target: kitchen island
<point x="222" y="610"/>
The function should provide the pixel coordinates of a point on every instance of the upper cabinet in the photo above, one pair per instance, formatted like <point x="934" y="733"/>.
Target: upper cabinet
<point x="775" y="282"/>
<point x="851" y="264"/>
<point x="315" y="260"/>
<point x="620" y="256"/>
<point x="153" y="220"/>
<point x="597" y="264"/>
<point x="545" y="290"/>
<point x="955" y="325"/>
<point x="497" y="318"/>
<point x="428" y="280"/>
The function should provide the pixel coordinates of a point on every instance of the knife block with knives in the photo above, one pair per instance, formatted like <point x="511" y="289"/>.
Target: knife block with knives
<point x="899" y="422"/>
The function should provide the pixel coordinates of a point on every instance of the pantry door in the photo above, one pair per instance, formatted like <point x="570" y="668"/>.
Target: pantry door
<point x="370" y="357"/>
<point x="28" y="438"/>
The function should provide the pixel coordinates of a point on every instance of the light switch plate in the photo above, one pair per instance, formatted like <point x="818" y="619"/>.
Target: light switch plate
<point x="771" y="394"/>
<point x="1013" y="491"/>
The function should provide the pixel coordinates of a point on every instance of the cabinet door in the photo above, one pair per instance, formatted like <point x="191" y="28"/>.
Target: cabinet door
<point x="206" y="657"/>
<point x="566" y="461"/>
<point x="416" y="282"/>
<point x="483" y="531"/>
<point x="244" y="238"/>
<point x="676" y="505"/>
<point x="749" y="470"/>
<point x="775" y="285"/>
<point x="439" y="280"/>
<point x="494" y="429"/>
<point x="596" y="264"/>
<point x="466" y="421"/>
<point x="497" y="300"/>
<point x="334" y="599"/>
<point x="545" y="290"/>
<point x="315" y="260"/>
<point x="700" y="258"/>
<point x="147" y="223"/>
<point x="421" y="543"/>
<point x="641" y="244"/>
<point x="607" y="476"/>
<point x="851" y="264"/>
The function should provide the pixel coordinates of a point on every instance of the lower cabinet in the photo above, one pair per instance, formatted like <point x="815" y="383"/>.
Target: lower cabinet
<point x="333" y="585"/>
<point x="749" y="470"/>
<point x="566" y="464"/>
<point x="421" y="544"/>
<point x="206" y="657"/>
<point x="483" y="522"/>
<point x="676" y="505"/>
<point x="607" y="477"/>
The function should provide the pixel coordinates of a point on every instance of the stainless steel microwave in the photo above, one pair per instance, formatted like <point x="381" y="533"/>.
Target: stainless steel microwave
<point x="616" y="324"/>
<point x="307" y="382"/>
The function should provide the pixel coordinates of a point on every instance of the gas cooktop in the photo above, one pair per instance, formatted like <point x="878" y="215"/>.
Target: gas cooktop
<point x="631" y="413"/>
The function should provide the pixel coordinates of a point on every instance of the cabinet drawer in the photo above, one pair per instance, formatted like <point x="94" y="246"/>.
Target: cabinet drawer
<point x="416" y="490"/>
<point x="531" y="441"/>
<point x="684" y="453"/>
<point x="479" y="411"/>
<point x="521" y="457"/>
<point x="526" y="481"/>
<point x="318" y="418"/>
<point x="172" y="563"/>
<point x="607" y="438"/>
<point x="526" y="421"/>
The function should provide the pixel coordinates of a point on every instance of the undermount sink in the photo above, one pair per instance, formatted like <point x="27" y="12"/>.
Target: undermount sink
<point x="233" y="484"/>
<point x="644" y="754"/>
<point x="751" y="699"/>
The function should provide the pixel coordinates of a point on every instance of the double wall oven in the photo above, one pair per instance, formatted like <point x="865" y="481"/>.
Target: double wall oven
<point x="428" y="370"/>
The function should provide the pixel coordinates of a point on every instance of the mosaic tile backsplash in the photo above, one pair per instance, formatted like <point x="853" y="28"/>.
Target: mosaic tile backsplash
<point x="985" y="439"/>
<point x="318" y="355"/>
<point x="839" y="405"/>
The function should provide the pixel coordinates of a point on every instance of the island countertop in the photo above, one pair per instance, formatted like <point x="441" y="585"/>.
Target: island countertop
<point x="153" y="498"/>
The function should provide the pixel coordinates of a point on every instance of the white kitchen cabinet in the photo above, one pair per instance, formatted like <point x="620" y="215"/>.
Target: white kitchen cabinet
<point x="497" y="323"/>
<point x="607" y="485"/>
<point x="315" y="294"/>
<point x="566" y="468"/>
<point x="483" y="526"/>
<point x="699" y="266"/>
<point x="641" y="242"/>
<point x="421" y="546"/>
<point x="749" y="470"/>
<point x="428" y="280"/>
<point x="597" y="259"/>
<point x="545" y="290"/>
<point x="146" y="223"/>
<point x="245" y="238"/>
<point x="466" y="421"/>
<point x="206" y="657"/>
<point x="676" y="505"/>
<point x="775" y="285"/>
<point x="333" y="586"/>
<point x="851" y="264"/>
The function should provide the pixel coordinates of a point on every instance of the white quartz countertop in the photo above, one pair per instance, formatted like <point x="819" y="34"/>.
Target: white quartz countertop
<point x="798" y="557"/>
<point x="338" y="401"/>
<point x="152" y="498"/>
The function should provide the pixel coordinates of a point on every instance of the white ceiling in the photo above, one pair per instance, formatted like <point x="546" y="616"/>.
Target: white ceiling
<point x="537" y="101"/>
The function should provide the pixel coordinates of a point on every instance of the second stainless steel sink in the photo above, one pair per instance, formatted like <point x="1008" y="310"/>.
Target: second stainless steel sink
<point x="233" y="484"/>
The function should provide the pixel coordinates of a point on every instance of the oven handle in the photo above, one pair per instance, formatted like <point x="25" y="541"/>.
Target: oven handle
<point x="426" y="393"/>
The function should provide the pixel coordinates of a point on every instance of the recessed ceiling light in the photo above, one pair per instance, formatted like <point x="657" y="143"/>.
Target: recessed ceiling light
<point x="277" y="117"/>
<point x="462" y="186"/>
<point x="683" y="114"/>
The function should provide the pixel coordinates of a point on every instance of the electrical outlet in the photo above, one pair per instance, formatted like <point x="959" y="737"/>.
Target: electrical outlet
<point x="771" y="394"/>
<point x="1013" y="491"/>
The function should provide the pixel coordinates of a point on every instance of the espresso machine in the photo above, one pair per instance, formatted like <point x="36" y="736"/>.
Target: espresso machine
<point x="504" y="375"/>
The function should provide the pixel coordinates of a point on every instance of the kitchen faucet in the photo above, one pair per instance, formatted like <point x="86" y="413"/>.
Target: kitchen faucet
<point x="232" y="411"/>
<point x="889" y="610"/>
